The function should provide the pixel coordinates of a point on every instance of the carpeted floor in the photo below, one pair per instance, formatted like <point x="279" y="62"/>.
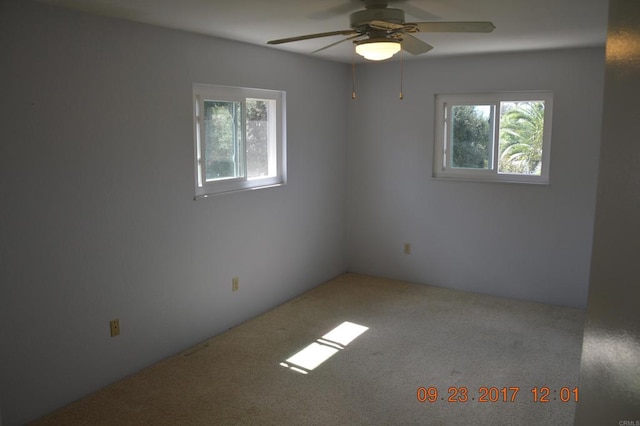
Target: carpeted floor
<point x="417" y="337"/>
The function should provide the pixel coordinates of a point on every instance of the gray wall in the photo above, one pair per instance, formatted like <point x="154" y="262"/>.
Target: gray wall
<point x="98" y="219"/>
<point x="521" y="241"/>
<point x="610" y="367"/>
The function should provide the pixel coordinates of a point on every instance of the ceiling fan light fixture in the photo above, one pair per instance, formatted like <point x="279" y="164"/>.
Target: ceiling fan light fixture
<point x="378" y="49"/>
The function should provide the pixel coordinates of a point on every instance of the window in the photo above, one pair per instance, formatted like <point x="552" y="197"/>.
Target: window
<point x="239" y="138"/>
<point x="502" y="137"/>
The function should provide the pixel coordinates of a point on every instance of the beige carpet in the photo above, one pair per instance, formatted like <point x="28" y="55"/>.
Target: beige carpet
<point x="418" y="336"/>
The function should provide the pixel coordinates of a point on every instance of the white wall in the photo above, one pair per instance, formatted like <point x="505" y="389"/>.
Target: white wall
<point x="98" y="219"/>
<point x="610" y="366"/>
<point x="521" y="241"/>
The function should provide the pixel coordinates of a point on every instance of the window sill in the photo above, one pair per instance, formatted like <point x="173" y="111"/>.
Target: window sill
<point x="509" y="179"/>
<point x="234" y="191"/>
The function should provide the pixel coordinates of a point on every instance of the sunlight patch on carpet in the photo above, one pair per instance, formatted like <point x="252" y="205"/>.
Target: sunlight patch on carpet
<point x="324" y="348"/>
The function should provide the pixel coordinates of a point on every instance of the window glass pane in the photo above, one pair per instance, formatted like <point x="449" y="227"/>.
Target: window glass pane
<point x="521" y="136"/>
<point x="261" y="138"/>
<point x="471" y="136"/>
<point x="223" y="140"/>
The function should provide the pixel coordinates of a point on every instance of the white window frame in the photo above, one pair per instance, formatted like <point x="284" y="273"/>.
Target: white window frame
<point x="203" y="92"/>
<point x="443" y="104"/>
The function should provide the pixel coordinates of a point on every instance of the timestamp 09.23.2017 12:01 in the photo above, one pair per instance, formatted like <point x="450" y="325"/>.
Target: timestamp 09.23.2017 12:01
<point x="489" y="394"/>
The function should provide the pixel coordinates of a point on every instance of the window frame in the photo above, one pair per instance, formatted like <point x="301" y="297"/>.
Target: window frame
<point x="443" y="104"/>
<point x="210" y="92"/>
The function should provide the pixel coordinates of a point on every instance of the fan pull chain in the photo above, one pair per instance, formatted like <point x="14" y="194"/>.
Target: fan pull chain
<point x="401" y="73"/>
<point x="353" y="75"/>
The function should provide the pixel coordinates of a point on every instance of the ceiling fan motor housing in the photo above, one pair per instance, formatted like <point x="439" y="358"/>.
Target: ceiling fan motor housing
<point x="363" y="18"/>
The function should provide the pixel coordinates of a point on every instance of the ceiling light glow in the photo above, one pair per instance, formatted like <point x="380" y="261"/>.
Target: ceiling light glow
<point x="378" y="49"/>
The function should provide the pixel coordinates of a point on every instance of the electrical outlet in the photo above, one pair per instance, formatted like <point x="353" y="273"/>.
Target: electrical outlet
<point x="114" y="326"/>
<point x="407" y="248"/>
<point x="235" y="284"/>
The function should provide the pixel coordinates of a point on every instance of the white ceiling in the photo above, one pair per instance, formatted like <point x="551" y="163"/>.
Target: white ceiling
<point x="520" y="24"/>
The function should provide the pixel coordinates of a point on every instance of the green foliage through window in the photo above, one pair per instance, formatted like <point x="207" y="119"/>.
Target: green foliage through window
<point x="494" y="136"/>
<point x="471" y="136"/>
<point x="257" y="138"/>
<point x="223" y="139"/>
<point x="521" y="137"/>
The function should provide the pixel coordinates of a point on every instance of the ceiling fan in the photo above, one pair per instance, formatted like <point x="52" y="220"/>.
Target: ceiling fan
<point x="379" y="32"/>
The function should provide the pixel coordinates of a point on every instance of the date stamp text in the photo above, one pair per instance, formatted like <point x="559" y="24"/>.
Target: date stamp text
<point x="493" y="394"/>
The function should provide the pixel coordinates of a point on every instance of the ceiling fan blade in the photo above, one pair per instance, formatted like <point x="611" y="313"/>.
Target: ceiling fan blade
<point x="337" y="42"/>
<point x="310" y="36"/>
<point x="414" y="45"/>
<point x="384" y="25"/>
<point x="454" y="27"/>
